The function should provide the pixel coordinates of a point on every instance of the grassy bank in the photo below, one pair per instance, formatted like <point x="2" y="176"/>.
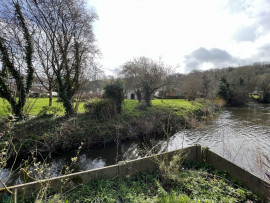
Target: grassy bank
<point x="60" y="134"/>
<point x="192" y="183"/>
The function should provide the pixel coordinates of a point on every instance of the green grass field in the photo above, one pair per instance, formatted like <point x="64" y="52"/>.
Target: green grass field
<point x="33" y="106"/>
<point x="179" y="106"/>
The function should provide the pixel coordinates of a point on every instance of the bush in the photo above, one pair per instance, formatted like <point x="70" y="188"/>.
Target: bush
<point x="115" y="91"/>
<point x="101" y="108"/>
<point x="235" y="94"/>
<point x="265" y="98"/>
<point x="220" y="102"/>
<point x="142" y="106"/>
<point x="238" y="96"/>
<point x="50" y="110"/>
<point x="224" y="92"/>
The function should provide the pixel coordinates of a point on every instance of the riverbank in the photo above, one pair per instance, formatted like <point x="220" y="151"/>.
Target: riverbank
<point x="51" y="134"/>
<point x="192" y="182"/>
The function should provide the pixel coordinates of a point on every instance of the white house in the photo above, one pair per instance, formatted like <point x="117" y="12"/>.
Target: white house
<point x="131" y="94"/>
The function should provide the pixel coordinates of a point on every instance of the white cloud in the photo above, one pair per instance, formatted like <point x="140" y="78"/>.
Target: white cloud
<point x="172" y="29"/>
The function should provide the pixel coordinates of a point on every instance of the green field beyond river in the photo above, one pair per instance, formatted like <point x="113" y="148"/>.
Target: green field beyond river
<point x="34" y="105"/>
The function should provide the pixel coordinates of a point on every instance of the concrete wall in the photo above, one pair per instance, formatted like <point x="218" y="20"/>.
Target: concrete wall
<point x="251" y="181"/>
<point x="194" y="153"/>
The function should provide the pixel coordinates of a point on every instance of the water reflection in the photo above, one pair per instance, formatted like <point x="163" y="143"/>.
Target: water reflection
<point x="241" y="135"/>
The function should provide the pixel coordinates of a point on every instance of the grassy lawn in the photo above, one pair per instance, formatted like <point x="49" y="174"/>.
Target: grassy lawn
<point x="178" y="105"/>
<point x="34" y="105"/>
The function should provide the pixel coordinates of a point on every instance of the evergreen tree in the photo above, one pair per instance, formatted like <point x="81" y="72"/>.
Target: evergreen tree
<point x="115" y="91"/>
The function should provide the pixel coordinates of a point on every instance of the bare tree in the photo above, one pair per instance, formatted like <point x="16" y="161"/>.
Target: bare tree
<point x="146" y="76"/>
<point x="193" y="85"/>
<point x="43" y="62"/>
<point x="67" y="26"/>
<point x="250" y="78"/>
<point x="132" y="82"/>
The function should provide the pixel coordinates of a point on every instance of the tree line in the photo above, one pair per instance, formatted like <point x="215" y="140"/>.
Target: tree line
<point x="235" y="85"/>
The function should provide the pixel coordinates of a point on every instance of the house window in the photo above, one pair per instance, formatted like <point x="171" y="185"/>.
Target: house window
<point x="132" y="96"/>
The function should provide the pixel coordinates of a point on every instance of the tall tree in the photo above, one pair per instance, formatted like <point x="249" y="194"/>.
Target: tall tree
<point x="131" y="78"/>
<point x="16" y="53"/>
<point x="193" y="85"/>
<point x="43" y="60"/>
<point x="67" y="25"/>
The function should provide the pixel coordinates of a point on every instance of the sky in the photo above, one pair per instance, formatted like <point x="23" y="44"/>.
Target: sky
<point x="186" y="34"/>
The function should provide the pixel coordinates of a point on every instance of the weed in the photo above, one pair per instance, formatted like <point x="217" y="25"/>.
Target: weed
<point x="192" y="186"/>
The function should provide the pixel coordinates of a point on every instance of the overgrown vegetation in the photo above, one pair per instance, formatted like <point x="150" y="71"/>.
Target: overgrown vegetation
<point x="115" y="91"/>
<point x="194" y="183"/>
<point x="101" y="108"/>
<point x="234" y="94"/>
<point x="60" y="134"/>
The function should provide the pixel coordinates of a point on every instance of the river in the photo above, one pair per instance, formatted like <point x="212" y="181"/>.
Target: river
<point x="241" y="135"/>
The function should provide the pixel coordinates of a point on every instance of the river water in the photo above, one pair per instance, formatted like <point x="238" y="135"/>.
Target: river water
<point x="241" y="135"/>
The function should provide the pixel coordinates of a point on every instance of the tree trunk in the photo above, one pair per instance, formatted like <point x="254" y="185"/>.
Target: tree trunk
<point x="67" y="103"/>
<point x="139" y="95"/>
<point x="17" y="108"/>
<point x="147" y="95"/>
<point x="50" y="97"/>
<point x="18" y="111"/>
<point x="66" y="97"/>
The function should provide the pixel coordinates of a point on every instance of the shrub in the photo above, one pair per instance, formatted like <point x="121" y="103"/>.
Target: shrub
<point x="220" y="102"/>
<point x="115" y="91"/>
<point x="265" y="98"/>
<point x="238" y="96"/>
<point x="142" y="106"/>
<point x="101" y="108"/>
<point x="50" y="110"/>
<point x="224" y="92"/>
<point x="235" y="94"/>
